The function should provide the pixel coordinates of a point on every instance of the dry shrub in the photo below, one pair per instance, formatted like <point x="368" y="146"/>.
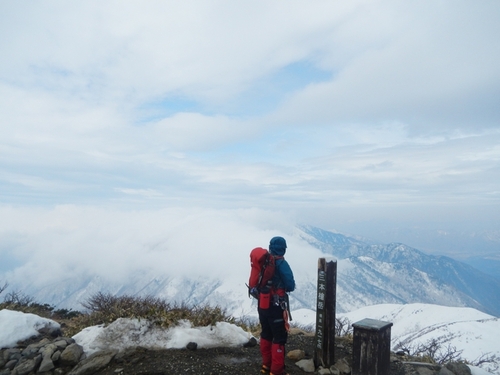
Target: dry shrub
<point x="105" y="308"/>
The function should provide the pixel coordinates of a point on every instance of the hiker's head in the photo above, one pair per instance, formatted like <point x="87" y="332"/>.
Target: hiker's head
<point x="277" y="246"/>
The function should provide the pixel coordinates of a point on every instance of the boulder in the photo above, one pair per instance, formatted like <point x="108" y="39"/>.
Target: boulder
<point x="306" y="364"/>
<point x="458" y="368"/>
<point x="46" y="364"/>
<point x="93" y="363"/>
<point x="24" y="367"/>
<point x="296" y="355"/>
<point x="342" y="366"/>
<point x="71" y="355"/>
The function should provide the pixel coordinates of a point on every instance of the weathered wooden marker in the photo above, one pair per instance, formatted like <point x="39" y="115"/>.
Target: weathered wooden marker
<point x="325" y="313"/>
<point x="371" y="347"/>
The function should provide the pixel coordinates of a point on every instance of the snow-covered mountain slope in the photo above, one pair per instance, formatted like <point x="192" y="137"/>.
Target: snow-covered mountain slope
<point x="368" y="274"/>
<point x="396" y="273"/>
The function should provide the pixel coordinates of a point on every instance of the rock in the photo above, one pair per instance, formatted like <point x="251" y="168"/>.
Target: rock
<point x="306" y="364"/>
<point x="445" y="371"/>
<point x="61" y="344"/>
<point x="50" y="331"/>
<point x="24" y="367"/>
<point x="324" y="371"/>
<point x="122" y="354"/>
<point x="11" y="364"/>
<point x="424" y="371"/>
<point x="55" y="357"/>
<point x="296" y="355"/>
<point x="71" y="355"/>
<point x="342" y="366"/>
<point x="458" y="368"/>
<point x="48" y="350"/>
<point x="46" y="364"/>
<point x="93" y="363"/>
<point x="396" y="358"/>
<point x="30" y="352"/>
<point x="251" y="343"/>
<point x="10" y="354"/>
<point x="38" y="345"/>
<point x="192" y="346"/>
<point x="9" y="358"/>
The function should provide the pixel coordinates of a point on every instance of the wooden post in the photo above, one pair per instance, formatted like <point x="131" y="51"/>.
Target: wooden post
<point x="371" y="354"/>
<point x="325" y="313"/>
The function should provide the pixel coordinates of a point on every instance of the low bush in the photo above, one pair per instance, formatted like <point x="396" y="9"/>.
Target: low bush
<point x="18" y="301"/>
<point x="432" y="351"/>
<point x="105" y="308"/>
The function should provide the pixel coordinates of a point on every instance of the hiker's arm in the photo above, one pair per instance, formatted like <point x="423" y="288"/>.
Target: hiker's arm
<point x="287" y="276"/>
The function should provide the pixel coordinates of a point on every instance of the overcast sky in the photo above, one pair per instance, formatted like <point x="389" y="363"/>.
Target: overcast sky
<point x="377" y="118"/>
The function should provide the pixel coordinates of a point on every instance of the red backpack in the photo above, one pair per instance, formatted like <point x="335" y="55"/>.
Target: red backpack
<point x="262" y="268"/>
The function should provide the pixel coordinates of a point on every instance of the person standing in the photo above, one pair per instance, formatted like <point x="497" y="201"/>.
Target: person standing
<point x="274" y="318"/>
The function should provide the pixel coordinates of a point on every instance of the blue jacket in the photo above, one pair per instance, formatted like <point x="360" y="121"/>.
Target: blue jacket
<point x="283" y="276"/>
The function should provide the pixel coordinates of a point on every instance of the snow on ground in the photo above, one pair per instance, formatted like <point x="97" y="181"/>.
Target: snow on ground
<point x="468" y="330"/>
<point x="125" y="333"/>
<point x="17" y="326"/>
<point x="468" y="327"/>
<point x="304" y="317"/>
<point x="471" y="331"/>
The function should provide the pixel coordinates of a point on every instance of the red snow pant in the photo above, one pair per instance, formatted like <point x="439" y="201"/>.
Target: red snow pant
<point x="273" y="339"/>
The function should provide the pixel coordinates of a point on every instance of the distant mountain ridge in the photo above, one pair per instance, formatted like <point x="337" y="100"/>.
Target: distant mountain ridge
<point x="368" y="274"/>
<point x="428" y="277"/>
<point x="489" y="264"/>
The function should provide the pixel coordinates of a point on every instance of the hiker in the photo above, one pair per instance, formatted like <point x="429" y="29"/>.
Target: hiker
<point x="274" y="320"/>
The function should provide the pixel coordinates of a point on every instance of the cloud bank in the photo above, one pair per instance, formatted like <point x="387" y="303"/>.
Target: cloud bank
<point x="69" y="242"/>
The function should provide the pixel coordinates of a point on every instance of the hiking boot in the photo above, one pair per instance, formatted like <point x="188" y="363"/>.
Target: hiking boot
<point x="265" y="370"/>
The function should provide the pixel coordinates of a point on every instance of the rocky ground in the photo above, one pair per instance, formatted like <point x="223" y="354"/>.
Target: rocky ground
<point x="217" y="361"/>
<point x="246" y="361"/>
<point x="58" y="356"/>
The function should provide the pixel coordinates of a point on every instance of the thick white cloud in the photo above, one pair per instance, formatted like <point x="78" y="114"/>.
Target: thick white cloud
<point x="50" y="245"/>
